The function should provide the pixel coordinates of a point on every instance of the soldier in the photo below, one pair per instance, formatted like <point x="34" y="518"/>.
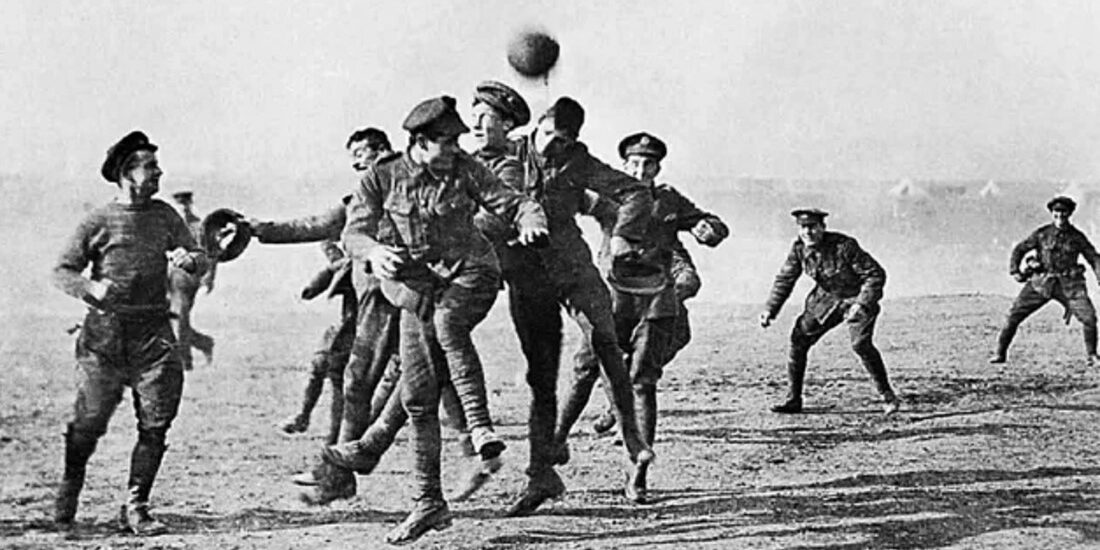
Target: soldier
<point x="848" y="289"/>
<point x="647" y="309"/>
<point x="126" y="338"/>
<point x="411" y="219"/>
<point x="1058" y="277"/>
<point x="497" y="109"/>
<point x="183" y="287"/>
<point x="557" y="171"/>
<point x="364" y="146"/>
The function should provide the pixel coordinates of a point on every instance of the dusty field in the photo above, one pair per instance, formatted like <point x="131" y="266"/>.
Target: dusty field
<point x="981" y="457"/>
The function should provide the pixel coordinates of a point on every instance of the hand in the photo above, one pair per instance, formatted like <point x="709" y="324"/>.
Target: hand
<point x="181" y="258"/>
<point x="766" y="319"/>
<point x="385" y="261"/>
<point x="1020" y="278"/>
<point x="854" y="313"/>
<point x="621" y="247"/>
<point x="535" y="237"/>
<point x="704" y="233"/>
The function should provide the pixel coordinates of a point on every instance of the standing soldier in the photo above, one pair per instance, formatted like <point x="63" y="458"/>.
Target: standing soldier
<point x="183" y="287"/>
<point x="557" y="171"/>
<point x="1058" y="276"/>
<point x="848" y="289"/>
<point x="411" y="219"/>
<point x="126" y="339"/>
<point x="647" y="308"/>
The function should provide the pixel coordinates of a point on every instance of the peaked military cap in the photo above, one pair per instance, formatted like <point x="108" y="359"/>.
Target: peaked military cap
<point x="642" y="143"/>
<point x="806" y="216"/>
<point x="436" y="116"/>
<point x="504" y="99"/>
<point x="1062" y="202"/>
<point x="118" y="153"/>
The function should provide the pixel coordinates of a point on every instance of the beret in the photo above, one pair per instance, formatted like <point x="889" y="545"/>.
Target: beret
<point x="643" y="143"/>
<point x="1062" y="202"/>
<point x="809" y="215"/>
<point x="436" y="116"/>
<point x="119" y="152"/>
<point x="504" y="99"/>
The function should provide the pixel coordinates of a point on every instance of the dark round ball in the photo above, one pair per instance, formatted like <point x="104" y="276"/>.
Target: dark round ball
<point x="533" y="53"/>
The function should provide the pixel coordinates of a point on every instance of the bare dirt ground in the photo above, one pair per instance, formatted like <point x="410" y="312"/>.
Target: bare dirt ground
<point x="981" y="456"/>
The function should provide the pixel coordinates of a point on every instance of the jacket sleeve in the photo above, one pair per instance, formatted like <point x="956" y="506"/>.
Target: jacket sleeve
<point x="1089" y="252"/>
<point x="688" y="215"/>
<point x="785" y="281"/>
<point x="67" y="272"/>
<point x="1022" y="248"/>
<point x="632" y="197"/>
<point x="498" y="199"/>
<point x="320" y="227"/>
<point x="871" y="275"/>
<point x="364" y="212"/>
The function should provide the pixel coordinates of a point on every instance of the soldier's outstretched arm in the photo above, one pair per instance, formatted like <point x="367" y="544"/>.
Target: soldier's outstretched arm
<point x="707" y="228"/>
<point x="632" y="197"/>
<point x="306" y="229"/>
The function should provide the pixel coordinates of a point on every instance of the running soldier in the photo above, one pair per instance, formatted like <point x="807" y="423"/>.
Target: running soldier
<point x="848" y="288"/>
<point x="648" y="311"/>
<point x="411" y="219"/>
<point x="364" y="146"/>
<point x="1057" y="277"/>
<point x="557" y="171"/>
<point x="126" y="338"/>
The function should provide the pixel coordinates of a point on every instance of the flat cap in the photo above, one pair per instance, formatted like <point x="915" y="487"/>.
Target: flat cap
<point x="804" y="216"/>
<point x="642" y="143"/>
<point x="118" y="153"/>
<point x="1062" y="202"/>
<point x="568" y="115"/>
<point x="504" y="99"/>
<point x="435" y="116"/>
<point x="225" y="234"/>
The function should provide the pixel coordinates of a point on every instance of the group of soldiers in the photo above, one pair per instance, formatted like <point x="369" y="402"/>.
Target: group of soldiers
<point x="417" y="254"/>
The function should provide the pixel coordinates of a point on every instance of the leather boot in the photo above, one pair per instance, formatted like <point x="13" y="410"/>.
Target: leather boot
<point x="77" y="452"/>
<point x="796" y="374"/>
<point x="427" y="516"/>
<point x="144" y="464"/>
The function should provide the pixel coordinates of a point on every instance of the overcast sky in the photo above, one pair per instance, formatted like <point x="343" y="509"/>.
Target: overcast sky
<point x="830" y="89"/>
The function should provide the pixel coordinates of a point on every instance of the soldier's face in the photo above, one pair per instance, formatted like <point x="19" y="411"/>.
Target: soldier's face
<point x="490" y="129"/>
<point x="439" y="153"/>
<point x="811" y="233"/>
<point x="141" y="177"/>
<point x="549" y="140"/>
<point x="641" y="167"/>
<point x="362" y="155"/>
<point x="1060" y="217"/>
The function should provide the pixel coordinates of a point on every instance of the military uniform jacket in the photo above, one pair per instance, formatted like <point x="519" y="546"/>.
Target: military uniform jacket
<point x="845" y="274"/>
<point x="671" y="213"/>
<point x="1058" y="252"/>
<point x="325" y="227"/>
<point x="400" y="203"/>
<point x="560" y="188"/>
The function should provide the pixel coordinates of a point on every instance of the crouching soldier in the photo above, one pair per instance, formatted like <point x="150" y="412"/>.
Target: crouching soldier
<point x="126" y="339"/>
<point x="411" y="219"/>
<point x="1057" y="276"/>
<point x="849" y="287"/>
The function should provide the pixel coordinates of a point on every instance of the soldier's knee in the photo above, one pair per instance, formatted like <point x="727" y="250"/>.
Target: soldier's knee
<point x="155" y="437"/>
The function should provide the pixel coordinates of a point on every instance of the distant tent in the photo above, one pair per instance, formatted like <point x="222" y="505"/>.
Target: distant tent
<point x="990" y="190"/>
<point x="907" y="188"/>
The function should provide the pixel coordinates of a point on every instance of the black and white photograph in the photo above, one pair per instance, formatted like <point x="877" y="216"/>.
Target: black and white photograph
<point x="509" y="274"/>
